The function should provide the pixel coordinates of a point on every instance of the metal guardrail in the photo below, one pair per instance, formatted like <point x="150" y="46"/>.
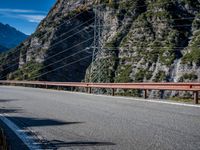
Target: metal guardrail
<point x="194" y="87"/>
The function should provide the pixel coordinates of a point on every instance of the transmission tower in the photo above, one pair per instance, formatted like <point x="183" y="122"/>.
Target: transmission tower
<point x="97" y="49"/>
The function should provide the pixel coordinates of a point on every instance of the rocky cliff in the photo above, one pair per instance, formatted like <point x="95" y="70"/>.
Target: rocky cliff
<point x="54" y="44"/>
<point x="142" y="41"/>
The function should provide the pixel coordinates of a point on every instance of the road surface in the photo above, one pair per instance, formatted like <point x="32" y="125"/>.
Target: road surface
<point x="64" y="120"/>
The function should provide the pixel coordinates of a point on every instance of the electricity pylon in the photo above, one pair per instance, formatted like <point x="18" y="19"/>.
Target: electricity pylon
<point x="97" y="49"/>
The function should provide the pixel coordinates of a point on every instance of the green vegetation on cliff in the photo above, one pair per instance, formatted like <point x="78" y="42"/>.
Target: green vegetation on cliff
<point x="142" y="40"/>
<point x="28" y="71"/>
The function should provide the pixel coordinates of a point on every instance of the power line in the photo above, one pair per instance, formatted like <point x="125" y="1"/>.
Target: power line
<point x="108" y="25"/>
<point x="168" y="20"/>
<point x="89" y="56"/>
<point x="96" y="35"/>
<point x="137" y="27"/>
<point x="151" y="46"/>
<point x="140" y="6"/>
<point x="98" y="28"/>
<point x="60" y="37"/>
<point x="110" y="48"/>
<point x="72" y="30"/>
<point x="63" y="23"/>
<point x="64" y="58"/>
<point x="99" y="70"/>
<point x="157" y="4"/>
<point x="50" y="46"/>
<point x="65" y="50"/>
<point x="72" y="18"/>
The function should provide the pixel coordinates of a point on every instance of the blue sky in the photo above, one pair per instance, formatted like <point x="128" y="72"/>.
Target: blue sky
<point x="24" y="15"/>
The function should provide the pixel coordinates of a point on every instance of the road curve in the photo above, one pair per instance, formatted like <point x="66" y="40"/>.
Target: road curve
<point x="64" y="120"/>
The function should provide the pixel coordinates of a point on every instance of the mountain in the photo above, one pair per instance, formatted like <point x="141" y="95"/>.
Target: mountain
<point x="10" y="37"/>
<point x="141" y="41"/>
<point x="2" y="48"/>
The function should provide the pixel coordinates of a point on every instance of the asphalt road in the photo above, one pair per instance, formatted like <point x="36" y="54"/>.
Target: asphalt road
<point x="63" y="120"/>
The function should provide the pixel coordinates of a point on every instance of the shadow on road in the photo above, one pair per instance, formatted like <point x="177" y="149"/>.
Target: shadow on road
<point x="55" y="144"/>
<point x="7" y="100"/>
<point x="24" y="122"/>
<point x="7" y="110"/>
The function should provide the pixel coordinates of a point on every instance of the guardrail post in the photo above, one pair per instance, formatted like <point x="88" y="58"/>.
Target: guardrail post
<point x="145" y="94"/>
<point x="72" y="88"/>
<point x="196" y="97"/>
<point x="161" y="94"/>
<point x="90" y="90"/>
<point x="113" y="92"/>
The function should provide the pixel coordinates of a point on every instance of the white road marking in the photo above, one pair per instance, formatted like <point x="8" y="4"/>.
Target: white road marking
<point x="146" y="100"/>
<point x="135" y="99"/>
<point x="27" y="139"/>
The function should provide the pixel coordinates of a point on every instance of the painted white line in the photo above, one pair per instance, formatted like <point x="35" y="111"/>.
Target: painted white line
<point x="160" y="101"/>
<point x="138" y="99"/>
<point x="27" y="139"/>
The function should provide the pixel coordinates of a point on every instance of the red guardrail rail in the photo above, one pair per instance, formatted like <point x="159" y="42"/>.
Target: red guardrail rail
<point x="194" y="87"/>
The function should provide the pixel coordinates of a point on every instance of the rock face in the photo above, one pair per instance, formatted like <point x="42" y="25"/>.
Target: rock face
<point x="142" y="41"/>
<point x="53" y="51"/>
<point x="10" y="37"/>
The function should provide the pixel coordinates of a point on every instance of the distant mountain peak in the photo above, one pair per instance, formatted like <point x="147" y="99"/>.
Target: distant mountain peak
<point x="10" y="37"/>
<point x="2" y="48"/>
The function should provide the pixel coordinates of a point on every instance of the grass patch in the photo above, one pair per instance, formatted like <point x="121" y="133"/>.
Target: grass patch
<point x="182" y="99"/>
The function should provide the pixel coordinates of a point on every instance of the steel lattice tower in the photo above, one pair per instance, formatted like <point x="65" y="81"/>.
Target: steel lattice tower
<point x="97" y="46"/>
